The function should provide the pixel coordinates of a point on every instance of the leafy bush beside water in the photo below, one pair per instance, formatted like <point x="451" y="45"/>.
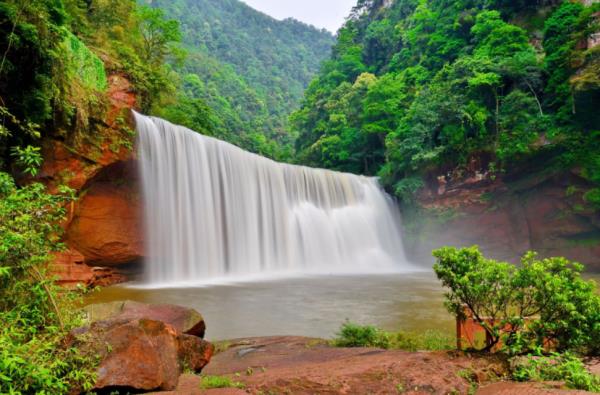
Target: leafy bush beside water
<point x="354" y="335"/>
<point x="540" y="306"/>
<point x="542" y="303"/>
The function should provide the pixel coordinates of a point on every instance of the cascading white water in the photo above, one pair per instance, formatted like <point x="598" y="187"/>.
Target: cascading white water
<point x="214" y="210"/>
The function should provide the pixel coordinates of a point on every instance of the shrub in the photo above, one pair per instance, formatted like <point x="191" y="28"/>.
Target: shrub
<point x="593" y="197"/>
<point x="544" y="302"/>
<point x="556" y="367"/>
<point x="353" y="335"/>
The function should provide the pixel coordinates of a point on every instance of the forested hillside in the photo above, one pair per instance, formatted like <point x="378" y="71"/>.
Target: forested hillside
<point x="249" y="68"/>
<point x="57" y="56"/>
<point x="416" y="91"/>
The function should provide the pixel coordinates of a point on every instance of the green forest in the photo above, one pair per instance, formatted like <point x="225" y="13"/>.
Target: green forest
<point x="237" y="84"/>
<point x="248" y="68"/>
<point x="412" y="91"/>
<point x="419" y="89"/>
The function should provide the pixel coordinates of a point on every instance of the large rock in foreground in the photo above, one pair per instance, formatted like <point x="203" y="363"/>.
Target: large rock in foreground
<point x="140" y="352"/>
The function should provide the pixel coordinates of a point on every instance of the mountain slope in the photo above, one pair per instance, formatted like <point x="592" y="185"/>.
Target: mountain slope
<point x="432" y="92"/>
<point x="238" y="51"/>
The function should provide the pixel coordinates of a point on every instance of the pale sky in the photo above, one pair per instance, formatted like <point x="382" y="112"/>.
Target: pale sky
<point x="328" y="14"/>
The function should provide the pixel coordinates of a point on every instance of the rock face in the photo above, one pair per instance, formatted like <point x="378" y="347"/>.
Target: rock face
<point x="142" y="354"/>
<point x="544" y="213"/>
<point x="106" y="226"/>
<point x="103" y="228"/>
<point x="70" y="268"/>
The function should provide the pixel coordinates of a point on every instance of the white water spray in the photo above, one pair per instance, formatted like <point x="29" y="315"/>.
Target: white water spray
<point x="213" y="210"/>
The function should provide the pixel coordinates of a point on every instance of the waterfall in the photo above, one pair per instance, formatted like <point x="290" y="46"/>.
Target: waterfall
<point x="213" y="210"/>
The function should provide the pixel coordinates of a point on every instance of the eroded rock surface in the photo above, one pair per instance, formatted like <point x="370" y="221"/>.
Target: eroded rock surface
<point x="70" y="268"/>
<point x="102" y="228"/>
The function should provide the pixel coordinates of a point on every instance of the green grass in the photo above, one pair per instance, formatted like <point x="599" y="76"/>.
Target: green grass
<point x="353" y="335"/>
<point x="429" y="340"/>
<point x="210" y="382"/>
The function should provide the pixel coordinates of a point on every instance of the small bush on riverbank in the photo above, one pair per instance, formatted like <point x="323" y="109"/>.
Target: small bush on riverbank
<point x="353" y="335"/>
<point x="543" y="304"/>
<point x="556" y="367"/>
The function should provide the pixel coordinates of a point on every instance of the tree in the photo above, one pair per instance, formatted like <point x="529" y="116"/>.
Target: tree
<point x="455" y="82"/>
<point x="158" y="33"/>
<point x="543" y="302"/>
<point x="559" y="43"/>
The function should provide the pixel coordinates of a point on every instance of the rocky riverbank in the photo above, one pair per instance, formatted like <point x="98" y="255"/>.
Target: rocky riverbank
<point x="144" y="348"/>
<point x="296" y="365"/>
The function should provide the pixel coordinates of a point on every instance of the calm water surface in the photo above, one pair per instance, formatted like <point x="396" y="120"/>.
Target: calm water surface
<point x="308" y="306"/>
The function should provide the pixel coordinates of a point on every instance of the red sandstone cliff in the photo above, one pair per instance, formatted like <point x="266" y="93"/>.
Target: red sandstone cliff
<point x="542" y="211"/>
<point x="103" y="227"/>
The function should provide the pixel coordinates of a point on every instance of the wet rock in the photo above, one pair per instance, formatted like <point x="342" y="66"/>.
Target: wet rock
<point x="184" y="320"/>
<point x="106" y="227"/>
<point x="140" y="354"/>
<point x="70" y="269"/>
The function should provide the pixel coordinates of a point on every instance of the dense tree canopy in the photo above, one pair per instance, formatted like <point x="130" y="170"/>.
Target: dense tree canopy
<point x="249" y="68"/>
<point x="56" y="58"/>
<point x="415" y="89"/>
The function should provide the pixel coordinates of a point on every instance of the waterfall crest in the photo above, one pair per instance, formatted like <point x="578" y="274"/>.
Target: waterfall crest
<point x="213" y="210"/>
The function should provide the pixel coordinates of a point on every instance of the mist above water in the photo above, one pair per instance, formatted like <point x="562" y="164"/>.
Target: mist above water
<point x="214" y="211"/>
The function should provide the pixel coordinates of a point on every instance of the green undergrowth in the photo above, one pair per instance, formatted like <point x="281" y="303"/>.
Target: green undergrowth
<point x="211" y="382"/>
<point x="84" y="64"/>
<point x="35" y="314"/>
<point x="354" y="335"/>
<point x="555" y="367"/>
